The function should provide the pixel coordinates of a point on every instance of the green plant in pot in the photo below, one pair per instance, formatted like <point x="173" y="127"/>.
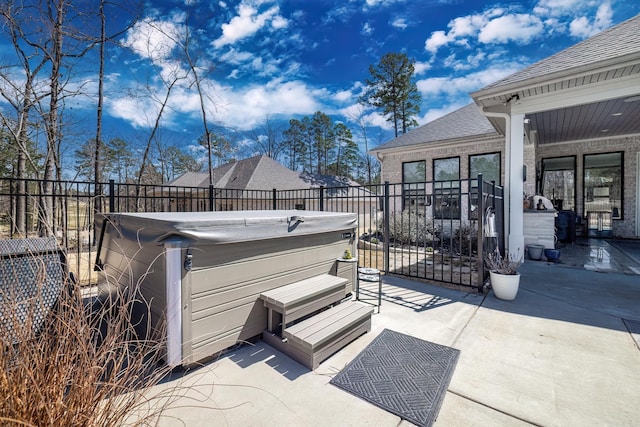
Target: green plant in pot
<point x="503" y="271"/>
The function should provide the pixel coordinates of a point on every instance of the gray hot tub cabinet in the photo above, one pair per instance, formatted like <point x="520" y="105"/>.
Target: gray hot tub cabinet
<point x="205" y="271"/>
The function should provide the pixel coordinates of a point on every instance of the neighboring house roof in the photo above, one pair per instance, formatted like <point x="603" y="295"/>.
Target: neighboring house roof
<point x="465" y="122"/>
<point x="190" y="179"/>
<point x="613" y="43"/>
<point x="259" y="173"/>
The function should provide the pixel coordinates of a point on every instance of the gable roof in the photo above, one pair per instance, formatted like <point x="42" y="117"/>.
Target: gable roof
<point x="259" y="173"/>
<point x="466" y="122"/>
<point x="190" y="179"/>
<point x="622" y="40"/>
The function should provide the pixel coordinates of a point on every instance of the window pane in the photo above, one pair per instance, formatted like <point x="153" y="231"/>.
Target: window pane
<point x="446" y="194"/>
<point x="559" y="181"/>
<point x="414" y="176"/>
<point x="446" y="169"/>
<point x="603" y="183"/>
<point x="414" y="172"/>
<point x="486" y="164"/>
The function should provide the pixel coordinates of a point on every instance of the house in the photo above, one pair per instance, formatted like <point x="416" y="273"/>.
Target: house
<point x="250" y="184"/>
<point x="567" y="128"/>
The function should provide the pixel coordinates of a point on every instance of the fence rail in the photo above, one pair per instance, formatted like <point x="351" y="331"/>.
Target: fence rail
<point x="432" y="230"/>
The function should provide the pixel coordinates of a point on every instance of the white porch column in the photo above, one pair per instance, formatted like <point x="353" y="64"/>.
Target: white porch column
<point x="515" y="171"/>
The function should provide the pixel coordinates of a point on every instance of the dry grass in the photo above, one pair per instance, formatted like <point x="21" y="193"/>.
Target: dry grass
<point x="84" y="366"/>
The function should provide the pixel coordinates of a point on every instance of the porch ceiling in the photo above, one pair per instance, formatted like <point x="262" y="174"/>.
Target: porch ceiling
<point x="596" y="120"/>
<point x="574" y="106"/>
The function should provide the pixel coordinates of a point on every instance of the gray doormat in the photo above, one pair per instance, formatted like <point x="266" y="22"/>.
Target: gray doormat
<point x="401" y="374"/>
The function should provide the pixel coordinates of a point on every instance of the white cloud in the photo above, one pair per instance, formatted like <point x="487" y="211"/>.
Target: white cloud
<point x="339" y="14"/>
<point x="459" y="28"/>
<point x="247" y="23"/>
<point x="459" y="86"/>
<point x="382" y="3"/>
<point x="242" y="108"/>
<point x="421" y="67"/>
<point x="436" y="40"/>
<point x="400" y="23"/>
<point x="560" y="8"/>
<point x="236" y="57"/>
<point x="154" y="39"/>
<point x="520" y="28"/>
<point x="467" y="25"/>
<point x="343" y="95"/>
<point x="251" y="105"/>
<point x="279" y="23"/>
<point x="367" y="29"/>
<point x="581" y="27"/>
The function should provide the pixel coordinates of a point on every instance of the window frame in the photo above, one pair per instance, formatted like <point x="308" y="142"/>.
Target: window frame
<point x="474" y="178"/>
<point x="473" y="181"/>
<point x="452" y="194"/>
<point x="414" y="192"/>
<point x="620" y="208"/>
<point x="575" y="178"/>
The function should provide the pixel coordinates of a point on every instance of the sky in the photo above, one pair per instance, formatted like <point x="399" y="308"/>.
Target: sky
<point x="270" y="60"/>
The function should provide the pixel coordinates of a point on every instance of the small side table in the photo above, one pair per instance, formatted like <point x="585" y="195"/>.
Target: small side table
<point x="372" y="275"/>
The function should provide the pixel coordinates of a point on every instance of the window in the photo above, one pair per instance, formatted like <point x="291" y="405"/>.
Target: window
<point x="603" y="183"/>
<point x="489" y="166"/>
<point x="414" y="175"/>
<point x="446" y="177"/>
<point x="486" y="164"/>
<point x="559" y="181"/>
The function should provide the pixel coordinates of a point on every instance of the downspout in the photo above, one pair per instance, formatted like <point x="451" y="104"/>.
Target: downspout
<point x="507" y="168"/>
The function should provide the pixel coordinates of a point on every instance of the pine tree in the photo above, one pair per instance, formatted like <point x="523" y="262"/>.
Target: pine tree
<point x="391" y="88"/>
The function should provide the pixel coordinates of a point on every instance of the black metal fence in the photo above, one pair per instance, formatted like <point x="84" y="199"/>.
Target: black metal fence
<point x="434" y="231"/>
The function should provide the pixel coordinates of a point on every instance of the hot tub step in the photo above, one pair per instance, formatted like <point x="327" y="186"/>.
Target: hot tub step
<point x="299" y="299"/>
<point x="316" y="338"/>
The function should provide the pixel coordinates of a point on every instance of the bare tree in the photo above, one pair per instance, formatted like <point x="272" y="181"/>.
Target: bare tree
<point x="162" y="101"/>
<point x="197" y="81"/>
<point x="268" y="138"/>
<point x="358" y="116"/>
<point x="47" y="37"/>
<point x="102" y="40"/>
<point x="21" y="96"/>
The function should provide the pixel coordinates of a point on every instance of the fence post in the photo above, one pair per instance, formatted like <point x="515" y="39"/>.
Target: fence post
<point x="387" y="235"/>
<point x="212" y="206"/>
<point x="481" y="209"/>
<point x="274" y="200"/>
<point x="322" y="198"/>
<point x="112" y="196"/>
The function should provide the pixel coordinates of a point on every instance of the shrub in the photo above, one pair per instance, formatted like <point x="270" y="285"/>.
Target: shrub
<point x="466" y="237"/>
<point x="408" y="228"/>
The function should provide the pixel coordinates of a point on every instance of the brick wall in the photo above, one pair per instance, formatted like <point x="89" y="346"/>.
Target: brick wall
<point x="392" y="163"/>
<point x="630" y="145"/>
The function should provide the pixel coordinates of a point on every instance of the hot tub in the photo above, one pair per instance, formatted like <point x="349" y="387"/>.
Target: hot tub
<point x="206" y="270"/>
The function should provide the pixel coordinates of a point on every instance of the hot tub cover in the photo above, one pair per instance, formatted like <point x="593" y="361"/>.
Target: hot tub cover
<point x="226" y="227"/>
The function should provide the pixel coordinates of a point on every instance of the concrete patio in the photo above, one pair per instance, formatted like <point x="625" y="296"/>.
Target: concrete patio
<point x="565" y="352"/>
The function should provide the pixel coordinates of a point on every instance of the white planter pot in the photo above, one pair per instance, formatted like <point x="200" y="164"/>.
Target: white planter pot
<point x="505" y="286"/>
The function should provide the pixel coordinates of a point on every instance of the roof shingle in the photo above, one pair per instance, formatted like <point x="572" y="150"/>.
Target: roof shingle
<point x="462" y="123"/>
